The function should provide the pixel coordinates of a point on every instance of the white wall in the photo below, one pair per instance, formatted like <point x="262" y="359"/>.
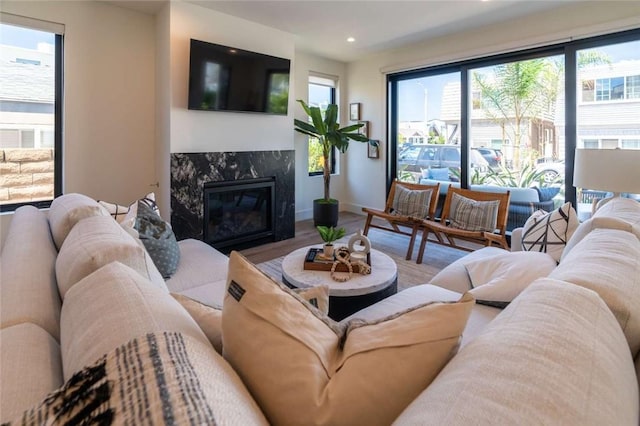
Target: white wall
<point x="367" y="78"/>
<point x="208" y="131"/>
<point x="109" y="97"/>
<point x="308" y="187"/>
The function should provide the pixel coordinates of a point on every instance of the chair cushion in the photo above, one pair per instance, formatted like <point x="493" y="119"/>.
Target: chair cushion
<point x="320" y="372"/>
<point x="199" y="264"/>
<point x="98" y="241"/>
<point x="67" y="210"/>
<point x="30" y="368"/>
<point x="554" y="356"/>
<point x="548" y="232"/>
<point x="412" y="203"/>
<point x="472" y="215"/>
<point x="110" y="307"/>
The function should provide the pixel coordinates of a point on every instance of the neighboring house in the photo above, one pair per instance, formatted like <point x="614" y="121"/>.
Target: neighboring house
<point x="26" y="104"/>
<point x="608" y="107"/>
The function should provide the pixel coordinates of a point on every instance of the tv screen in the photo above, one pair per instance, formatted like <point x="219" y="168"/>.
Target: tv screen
<point x="223" y="78"/>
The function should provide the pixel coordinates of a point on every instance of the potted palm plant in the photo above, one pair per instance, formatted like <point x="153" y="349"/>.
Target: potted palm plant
<point x="324" y="127"/>
<point x="329" y="235"/>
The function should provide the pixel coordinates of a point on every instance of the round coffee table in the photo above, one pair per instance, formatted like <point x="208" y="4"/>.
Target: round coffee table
<point x="348" y="297"/>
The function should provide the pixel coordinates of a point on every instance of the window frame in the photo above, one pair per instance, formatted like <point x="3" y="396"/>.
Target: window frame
<point x="57" y="120"/>
<point x="332" y="154"/>
<point x="567" y="49"/>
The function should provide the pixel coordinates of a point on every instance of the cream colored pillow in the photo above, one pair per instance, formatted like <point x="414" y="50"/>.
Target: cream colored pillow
<point x="69" y="209"/>
<point x="209" y="318"/>
<point x="304" y="368"/>
<point x="499" y="279"/>
<point x="98" y="241"/>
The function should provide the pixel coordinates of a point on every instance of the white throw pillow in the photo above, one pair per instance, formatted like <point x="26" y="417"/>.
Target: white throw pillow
<point x="116" y="211"/>
<point x="499" y="279"/>
<point x="549" y="232"/>
<point x="69" y="209"/>
<point x="303" y="368"/>
<point x="132" y="212"/>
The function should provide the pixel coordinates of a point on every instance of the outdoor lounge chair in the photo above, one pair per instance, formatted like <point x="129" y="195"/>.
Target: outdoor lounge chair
<point x="467" y="217"/>
<point x="399" y="222"/>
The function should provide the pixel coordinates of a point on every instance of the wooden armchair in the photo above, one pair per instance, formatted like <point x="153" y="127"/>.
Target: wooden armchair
<point x="446" y="234"/>
<point x="398" y="222"/>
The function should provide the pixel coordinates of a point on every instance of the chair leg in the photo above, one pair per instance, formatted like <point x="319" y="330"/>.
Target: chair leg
<point x="423" y="244"/>
<point x="367" y="223"/>
<point x="414" y="233"/>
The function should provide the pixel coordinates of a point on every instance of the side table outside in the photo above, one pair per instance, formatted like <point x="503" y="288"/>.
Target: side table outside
<point x="348" y="297"/>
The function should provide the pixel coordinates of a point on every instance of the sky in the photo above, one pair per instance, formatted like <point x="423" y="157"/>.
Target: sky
<point x="22" y="37"/>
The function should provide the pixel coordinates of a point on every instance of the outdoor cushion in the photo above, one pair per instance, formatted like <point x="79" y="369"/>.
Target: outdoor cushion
<point x="412" y="203"/>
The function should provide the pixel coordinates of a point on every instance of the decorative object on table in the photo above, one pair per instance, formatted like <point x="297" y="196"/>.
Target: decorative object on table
<point x="607" y="170"/>
<point x="326" y="130"/>
<point x="315" y="260"/>
<point x="364" y="128"/>
<point x="364" y="254"/>
<point x="329" y="234"/>
<point x="373" y="149"/>
<point x="354" y="111"/>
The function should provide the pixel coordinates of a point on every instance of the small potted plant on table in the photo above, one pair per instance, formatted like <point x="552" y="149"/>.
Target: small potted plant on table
<point x="329" y="234"/>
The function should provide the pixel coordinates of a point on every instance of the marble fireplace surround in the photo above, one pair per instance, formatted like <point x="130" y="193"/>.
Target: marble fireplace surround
<point x="190" y="171"/>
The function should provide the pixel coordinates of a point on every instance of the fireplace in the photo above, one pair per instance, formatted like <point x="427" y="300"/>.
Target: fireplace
<point x="239" y="212"/>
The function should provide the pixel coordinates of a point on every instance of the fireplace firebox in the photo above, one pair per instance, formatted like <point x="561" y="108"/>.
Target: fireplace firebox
<point x="238" y="213"/>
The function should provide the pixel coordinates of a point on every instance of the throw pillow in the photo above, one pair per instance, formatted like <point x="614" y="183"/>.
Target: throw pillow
<point x="546" y="194"/>
<point x="472" y="215"/>
<point x="209" y="318"/>
<point x="412" y="203"/>
<point x="158" y="239"/>
<point x="439" y="174"/>
<point x="548" y="232"/>
<point x="304" y="368"/>
<point x="69" y="209"/>
<point x="497" y="280"/>
<point x="132" y="212"/>
<point x="117" y="212"/>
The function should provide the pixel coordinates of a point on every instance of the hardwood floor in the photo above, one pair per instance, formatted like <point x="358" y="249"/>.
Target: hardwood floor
<point x="306" y="234"/>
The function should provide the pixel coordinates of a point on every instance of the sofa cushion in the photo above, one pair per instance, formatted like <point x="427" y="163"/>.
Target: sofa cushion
<point x="199" y="264"/>
<point x="518" y="195"/>
<point x="318" y="372"/>
<point x="111" y="306"/>
<point x="412" y="203"/>
<point x="454" y="276"/>
<point x="548" y="232"/>
<point x="626" y="209"/>
<point x="158" y="378"/>
<point x="29" y="290"/>
<point x="472" y="215"/>
<point x="555" y="356"/>
<point x="499" y="279"/>
<point x="67" y="210"/>
<point x="598" y="222"/>
<point x="98" y="241"/>
<point x="158" y="239"/>
<point x="606" y="261"/>
<point x="30" y="368"/>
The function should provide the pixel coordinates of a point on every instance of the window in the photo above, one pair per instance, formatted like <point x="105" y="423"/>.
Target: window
<point x="322" y="92"/>
<point x="30" y="111"/>
<point x="590" y="85"/>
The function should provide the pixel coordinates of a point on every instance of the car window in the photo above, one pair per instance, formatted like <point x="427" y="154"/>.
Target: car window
<point x="410" y="154"/>
<point x="428" y="154"/>
<point x="450" y="154"/>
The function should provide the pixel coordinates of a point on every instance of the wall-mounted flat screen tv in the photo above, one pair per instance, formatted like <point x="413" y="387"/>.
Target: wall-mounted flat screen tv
<point x="223" y="78"/>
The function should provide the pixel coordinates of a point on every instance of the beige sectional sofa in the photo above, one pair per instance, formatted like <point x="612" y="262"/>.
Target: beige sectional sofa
<point x="76" y="291"/>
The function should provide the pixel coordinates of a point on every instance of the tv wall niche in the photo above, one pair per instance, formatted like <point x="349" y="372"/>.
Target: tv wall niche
<point x="224" y="78"/>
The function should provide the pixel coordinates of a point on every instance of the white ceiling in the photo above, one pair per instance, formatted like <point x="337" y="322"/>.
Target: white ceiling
<point x="322" y="27"/>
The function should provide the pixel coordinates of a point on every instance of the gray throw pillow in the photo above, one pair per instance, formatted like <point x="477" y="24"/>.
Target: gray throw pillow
<point x="158" y="239"/>
<point x="472" y="215"/>
<point x="412" y="203"/>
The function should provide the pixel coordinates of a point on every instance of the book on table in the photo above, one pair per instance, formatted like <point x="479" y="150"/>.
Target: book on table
<point x="315" y="260"/>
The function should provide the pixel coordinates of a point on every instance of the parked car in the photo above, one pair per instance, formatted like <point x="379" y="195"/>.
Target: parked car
<point x="551" y="170"/>
<point x="493" y="156"/>
<point x="414" y="158"/>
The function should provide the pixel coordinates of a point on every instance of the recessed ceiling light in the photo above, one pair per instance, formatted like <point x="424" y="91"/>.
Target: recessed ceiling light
<point x="351" y="39"/>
